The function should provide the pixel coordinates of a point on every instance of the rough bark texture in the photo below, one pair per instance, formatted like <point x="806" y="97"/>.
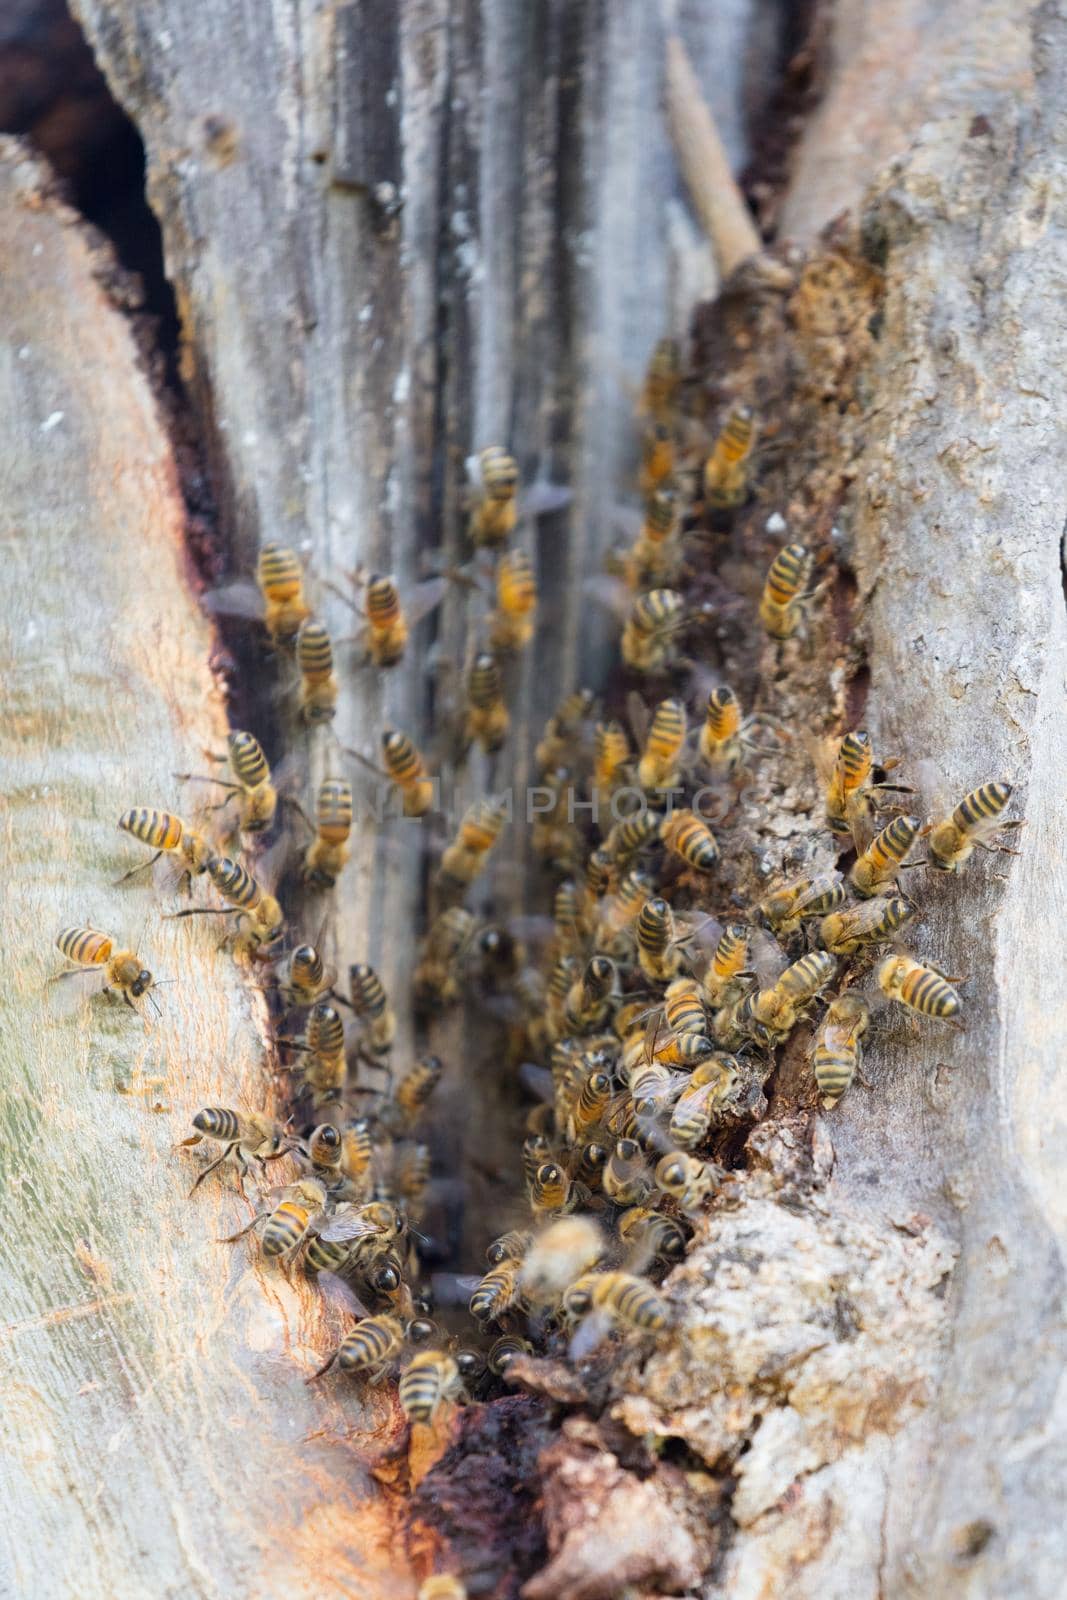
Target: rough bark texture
<point x="864" y="1397"/>
<point x="156" y="1434"/>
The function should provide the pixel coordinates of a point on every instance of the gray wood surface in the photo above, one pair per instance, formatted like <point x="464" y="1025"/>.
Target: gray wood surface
<point x="344" y="356"/>
<point x="155" y="1432"/>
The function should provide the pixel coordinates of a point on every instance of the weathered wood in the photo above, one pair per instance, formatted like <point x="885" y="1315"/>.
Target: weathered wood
<point x="156" y="1434"/>
<point x="906" y="1430"/>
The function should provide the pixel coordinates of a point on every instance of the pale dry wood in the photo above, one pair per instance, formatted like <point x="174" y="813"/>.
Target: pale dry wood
<point x="155" y="1434"/>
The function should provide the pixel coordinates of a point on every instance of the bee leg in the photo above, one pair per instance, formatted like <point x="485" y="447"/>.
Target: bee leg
<point x="143" y="867"/>
<point x="224" y="1156"/>
<point x="322" y="1370"/>
<point x="203" y="911"/>
<point x="260" y="1216"/>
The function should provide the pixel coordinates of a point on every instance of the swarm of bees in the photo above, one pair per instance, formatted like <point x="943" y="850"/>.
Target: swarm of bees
<point x="642" y="1028"/>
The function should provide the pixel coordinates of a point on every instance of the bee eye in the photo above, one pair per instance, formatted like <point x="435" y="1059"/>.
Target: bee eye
<point x="673" y="1173"/>
<point x="330" y="1136"/>
<point x="578" y="1301"/>
<point x="626" y="1149"/>
<point x="386" y="1280"/>
<point x="421" y="1329"/>
<point x="469" y="1362"/>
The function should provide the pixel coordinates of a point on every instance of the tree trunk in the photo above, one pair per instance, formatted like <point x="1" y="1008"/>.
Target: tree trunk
<point x="397" y="234"/>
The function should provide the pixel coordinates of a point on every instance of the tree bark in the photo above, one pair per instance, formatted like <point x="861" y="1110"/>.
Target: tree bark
<point x="396" y="235"/>
<point x="156" y="1434"/>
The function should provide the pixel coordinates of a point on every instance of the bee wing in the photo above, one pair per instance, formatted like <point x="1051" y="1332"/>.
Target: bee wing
<point x="612" y="593"/>
<point x="542" y="499"/>
<point x="453" y="1288"/>
<point x="639" y="717"/>
<point x="702" y="930"/>
<point x="341" y="1294"/>
<point x="594" y="1328"/>
<point x="627" y="520"/>
<point x="423" y="599"/>
<point x="932" y="784"/>
<point x="823" y="751"/>
<point x="338" y="1227"/>
<point x="241" y="598"/>
<point x="816" y="889"/>
<point x="766" y="957"/>
<point x="537" y="1081"/>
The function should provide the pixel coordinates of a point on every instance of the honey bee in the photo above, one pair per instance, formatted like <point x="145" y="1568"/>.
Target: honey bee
<point x="430" y="1380"/>
<point x="437" y="976"/>
<point x="318" y="685"/>
<point x="497" y="1292"/>
<point x="495" y="513"/>
<point x="727" y="738"/>
<point x="619" y="913"/>
<point x="371" y="1004"/>
<point x="357" y="1161"/>
<point x="625" y="1177"/>
<point x="683" y="1007"/>
<point x="599" y="877"/>
<point x="724" y="979"/>
<point x="487" y="717"/>
<point x="325" y="1151"/>
<point x="921" y="988"/>
<point x="550" y="1189"/>
<point x="630" y="835"/>
<point x="564" y="1251"/>
<point x="253" y="788"/>
<point x="853" y="783"/>
<point x="623" y="1297"/>
<point x="591" y="999"/>
<point x="658" y="767"/>
<point x="657" y="458"/>
<point x="280" y="576"/>
<point x="503" y="1352"/>
<point x="511" y="1246"/>
<point x="688" y="836"/>
<point x="91" y="950"/>
<point x="611" y="752"/>
<point x="688" y="1181"/>
<point x="686" y="1050"/>
<point x="876" y="869"/>
<point x="786" y="593"/>
<point x="649" y="637"/>
<point x="405" y="767"/>
<point x="769" y="1015"/>
<point x="663" y="378"/>
<point x="589" y="1105"/>
<point x="662" y="1237"/>
<point x="416" y="1087"/>
<point x="950" y="844"/>
<point x="301" y="1206"/>
<point x="303" y="978"/>
<point x="443" y="1586"/>
<point x="164" y="833"/>
<point x="326" y="856"/>
<point x="875" y="920"/>
<point x="512" y="624"/>
<point x="325" y="1067"/>
<point x="592" y="1158"/>
<point x="656" y="553"/>
<point x="726" y="469"/>
<point x="786" y="908"/>
<point x="657" y="945"/>
<point x="466" y="856"/>
<point x="837" y="1054"/>
<point x="358" y="1235"/>
<point x="262" y="918"/>
<point x="244" y="1139"/>
<point x="554" y="836"/>
<point x="411" y="1174"/>
<point x="368" y="1349"/>
<point x="277" y="597"/>
<point x="558" y="742"/>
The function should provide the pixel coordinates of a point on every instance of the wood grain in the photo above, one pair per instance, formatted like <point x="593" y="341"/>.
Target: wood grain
<point x="155" y="1434"/>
